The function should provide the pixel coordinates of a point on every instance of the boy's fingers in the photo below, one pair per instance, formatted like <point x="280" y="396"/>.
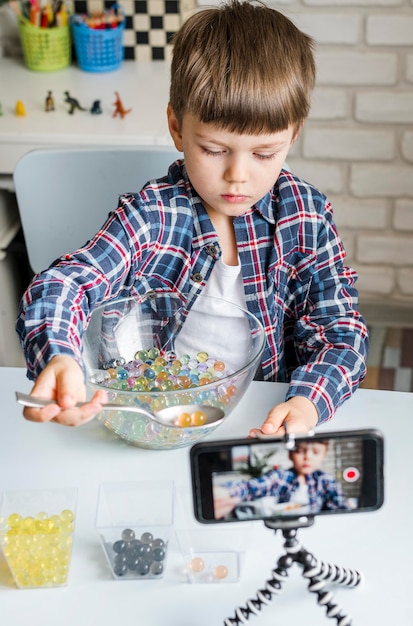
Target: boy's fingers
<point x="273" y="425"/>
<point x="45" y="414"/>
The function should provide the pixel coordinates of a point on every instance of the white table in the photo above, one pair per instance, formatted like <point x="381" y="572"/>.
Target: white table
<point x="380" y="544"/>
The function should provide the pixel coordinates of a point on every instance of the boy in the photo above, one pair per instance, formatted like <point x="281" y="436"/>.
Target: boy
<point x="304" y="486"/>
<point x="241" y="80"/>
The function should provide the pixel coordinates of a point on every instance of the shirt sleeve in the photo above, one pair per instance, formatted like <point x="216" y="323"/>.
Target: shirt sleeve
<point x="268" y="484"/>
<point x="331" y="337"/>
<point x="333" y="498"/>
<point x="55" y="309"/>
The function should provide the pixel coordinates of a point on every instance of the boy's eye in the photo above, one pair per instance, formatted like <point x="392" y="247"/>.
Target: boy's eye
<point x="212" y="152"/>
<point x="264" y="156"/>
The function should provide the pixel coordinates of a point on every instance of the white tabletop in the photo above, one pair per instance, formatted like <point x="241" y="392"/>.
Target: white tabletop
<point x="380" y="544"/>
<point x="143" y="87"/>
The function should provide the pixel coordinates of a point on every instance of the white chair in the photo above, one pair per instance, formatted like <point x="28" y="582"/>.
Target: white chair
<point x="64" y="195"/>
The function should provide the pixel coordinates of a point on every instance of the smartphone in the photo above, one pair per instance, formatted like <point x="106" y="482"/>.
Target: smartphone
<point x="264" y="479"/>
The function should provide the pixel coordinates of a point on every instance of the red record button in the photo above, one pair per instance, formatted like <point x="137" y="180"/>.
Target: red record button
<point x="351" y="474"/>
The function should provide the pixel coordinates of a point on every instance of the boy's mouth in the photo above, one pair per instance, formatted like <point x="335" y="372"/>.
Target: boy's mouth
<point x="234" y="199"/>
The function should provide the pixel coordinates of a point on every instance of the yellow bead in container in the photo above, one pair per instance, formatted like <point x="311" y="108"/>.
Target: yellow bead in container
<point x="36" y="535"/>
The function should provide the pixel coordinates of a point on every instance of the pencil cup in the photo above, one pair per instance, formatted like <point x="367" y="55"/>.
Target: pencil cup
<point x="36" y="534"/>
<point x="45" y="49"/>
<point x="98" y="50"/>
<point x="134" y="522"/>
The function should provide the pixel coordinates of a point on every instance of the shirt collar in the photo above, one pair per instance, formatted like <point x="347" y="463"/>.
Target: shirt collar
<point x="204" y="232"/>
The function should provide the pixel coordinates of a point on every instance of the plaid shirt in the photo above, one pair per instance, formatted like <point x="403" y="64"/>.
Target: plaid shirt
<point x="161" y="238"/>
<point x="323" y="493"/>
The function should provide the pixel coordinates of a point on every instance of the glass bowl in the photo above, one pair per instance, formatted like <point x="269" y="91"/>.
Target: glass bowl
<point x="157" y="351"/>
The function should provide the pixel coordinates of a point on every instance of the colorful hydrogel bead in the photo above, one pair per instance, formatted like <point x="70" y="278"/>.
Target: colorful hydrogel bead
<point x="156" y="380"/>
<point x="143" y="557"/>
<point x="38" y="548"/>
<point x="153" y="371"/>
<point x="186" y="420"/>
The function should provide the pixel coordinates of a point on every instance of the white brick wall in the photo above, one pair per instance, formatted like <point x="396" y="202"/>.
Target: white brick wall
<point x="357" y="145"/>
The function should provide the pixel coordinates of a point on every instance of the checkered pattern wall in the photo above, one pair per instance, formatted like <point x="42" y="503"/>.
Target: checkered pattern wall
<point x="150" y="24"/>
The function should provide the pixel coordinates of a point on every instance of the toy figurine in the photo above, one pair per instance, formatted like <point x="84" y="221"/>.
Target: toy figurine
<point x="96" y="108"/>
<point x="74" y="104"/>
<point x="49" y="104"/>
<point x="119" y="108"/>
<point x="20" y="109"/>
<point x="1" y="109"/>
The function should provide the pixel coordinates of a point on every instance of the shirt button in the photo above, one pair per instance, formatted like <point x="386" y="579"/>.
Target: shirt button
<point x="212" y="250"/>
<point x="197" y="278"/>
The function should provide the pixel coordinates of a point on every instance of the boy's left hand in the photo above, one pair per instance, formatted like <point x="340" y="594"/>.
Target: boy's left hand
<point x="299" y="414"/>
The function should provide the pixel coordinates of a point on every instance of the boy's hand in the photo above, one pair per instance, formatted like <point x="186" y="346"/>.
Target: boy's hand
<point x="62" y="380"/>
<point x="299" y="413"/>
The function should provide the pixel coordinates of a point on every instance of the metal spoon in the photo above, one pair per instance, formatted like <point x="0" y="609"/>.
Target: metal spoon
<point x="167" y="417"/>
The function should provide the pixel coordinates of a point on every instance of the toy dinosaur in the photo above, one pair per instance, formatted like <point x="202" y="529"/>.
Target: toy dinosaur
<point x="49" y="103"/>
<point x="119" y="108"/>
<point x="74" y="104"/>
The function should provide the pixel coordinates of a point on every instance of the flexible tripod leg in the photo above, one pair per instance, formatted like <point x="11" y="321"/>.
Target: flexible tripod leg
<point x="273" y="586"/>
<point x="318" y="572"/>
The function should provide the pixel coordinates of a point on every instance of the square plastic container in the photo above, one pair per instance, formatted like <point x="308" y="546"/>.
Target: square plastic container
<point x="134" y="521"/>
<point x="214" y="554"/>
<point x="36" y="535"/>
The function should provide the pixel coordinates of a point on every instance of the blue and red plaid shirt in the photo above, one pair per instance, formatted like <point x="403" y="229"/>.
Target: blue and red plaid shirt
<point x="294" y="277"/>
<point x="323" y="491"/>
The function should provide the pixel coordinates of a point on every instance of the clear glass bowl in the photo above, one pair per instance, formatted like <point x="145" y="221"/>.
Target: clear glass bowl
<point x="153" y="352"/>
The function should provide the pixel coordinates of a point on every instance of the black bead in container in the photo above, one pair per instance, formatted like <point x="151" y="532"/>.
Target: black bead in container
<point x="131" y="557"/>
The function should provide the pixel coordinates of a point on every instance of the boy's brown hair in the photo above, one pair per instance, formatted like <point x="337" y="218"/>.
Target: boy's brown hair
<point x="244" y="67"/>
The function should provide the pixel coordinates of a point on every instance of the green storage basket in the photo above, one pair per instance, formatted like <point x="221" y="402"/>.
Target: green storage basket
<point x="45" y="49"/>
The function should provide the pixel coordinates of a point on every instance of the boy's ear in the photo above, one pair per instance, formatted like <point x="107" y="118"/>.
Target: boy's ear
<point x="297" y="132"/>
<point x="174" y="128"/>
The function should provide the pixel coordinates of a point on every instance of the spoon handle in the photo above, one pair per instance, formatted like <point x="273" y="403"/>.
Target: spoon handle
<point x="36" y="403"/>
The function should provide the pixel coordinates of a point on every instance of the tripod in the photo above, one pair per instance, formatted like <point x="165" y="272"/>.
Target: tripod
<point x="317" y="572"/>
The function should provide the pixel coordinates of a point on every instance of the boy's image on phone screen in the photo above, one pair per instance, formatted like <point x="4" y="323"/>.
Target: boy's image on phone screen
<point x="249" y="479"/>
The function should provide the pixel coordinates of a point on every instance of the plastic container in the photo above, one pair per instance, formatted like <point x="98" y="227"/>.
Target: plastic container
<point x="212" y="553"/>
<point x="97" y="50"/>
<point x="45" y="49"/>
<point x="36" y="533"/>
<point x="134" y="521"/>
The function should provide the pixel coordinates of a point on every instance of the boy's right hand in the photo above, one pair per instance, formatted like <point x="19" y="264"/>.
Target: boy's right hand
<point x="62" y="380"/>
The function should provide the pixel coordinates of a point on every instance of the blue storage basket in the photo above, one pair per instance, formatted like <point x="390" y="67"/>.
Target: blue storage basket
<point x="98" y="50"/>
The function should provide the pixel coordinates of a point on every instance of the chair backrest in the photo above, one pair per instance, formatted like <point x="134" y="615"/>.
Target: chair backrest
<point x="64" y="195"/>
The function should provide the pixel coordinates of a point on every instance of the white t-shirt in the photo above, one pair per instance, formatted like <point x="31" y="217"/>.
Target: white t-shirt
<point x="300" y="495"/>
<point x="225" y="330"/>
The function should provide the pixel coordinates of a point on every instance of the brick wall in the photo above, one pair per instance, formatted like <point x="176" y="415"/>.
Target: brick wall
<point x="357" y="145"/>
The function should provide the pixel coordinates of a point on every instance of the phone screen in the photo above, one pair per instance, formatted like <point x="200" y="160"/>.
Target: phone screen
<point x="261" y="479"/>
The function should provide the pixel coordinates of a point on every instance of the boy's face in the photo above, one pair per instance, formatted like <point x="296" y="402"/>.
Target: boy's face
<point x="308" y="457"/>
<point x="229" y="171"/>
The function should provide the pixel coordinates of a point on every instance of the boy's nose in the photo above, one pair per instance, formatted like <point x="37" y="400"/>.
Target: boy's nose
<point x="236" y="170"/>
